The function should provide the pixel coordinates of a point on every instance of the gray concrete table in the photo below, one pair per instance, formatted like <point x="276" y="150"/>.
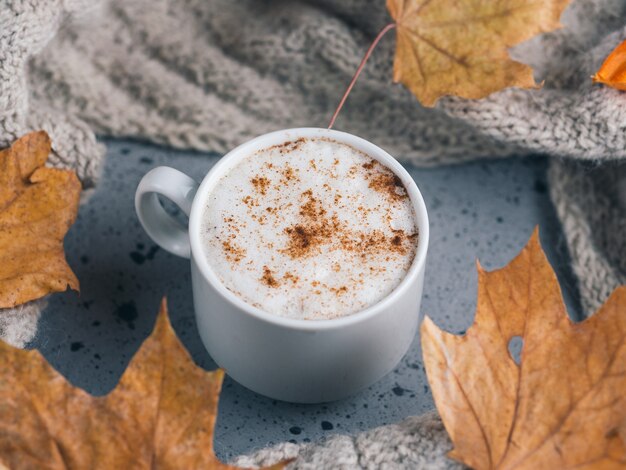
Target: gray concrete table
<point x="485" y="210"/>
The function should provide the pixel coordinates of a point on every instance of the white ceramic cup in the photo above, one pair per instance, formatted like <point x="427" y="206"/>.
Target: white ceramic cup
<point x="306" y="361"/>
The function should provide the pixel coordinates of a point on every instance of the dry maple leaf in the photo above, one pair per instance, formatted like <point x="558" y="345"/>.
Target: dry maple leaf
<point x="613" y="69"/>
<point x="460" y="47"/>
<point x="37" y="207"/>
<point x="563" y="406"/>
<point x="160" y="415"/>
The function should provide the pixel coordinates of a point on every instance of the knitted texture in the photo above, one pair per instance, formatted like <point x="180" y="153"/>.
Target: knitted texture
<point x="210" y="75"/>
<point x="418" y="442"/>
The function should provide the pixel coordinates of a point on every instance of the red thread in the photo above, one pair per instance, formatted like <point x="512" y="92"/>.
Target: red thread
<point x="358" y="71"/>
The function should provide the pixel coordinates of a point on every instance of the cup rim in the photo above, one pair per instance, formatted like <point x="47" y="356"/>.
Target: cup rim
<point x="229" y="160"/>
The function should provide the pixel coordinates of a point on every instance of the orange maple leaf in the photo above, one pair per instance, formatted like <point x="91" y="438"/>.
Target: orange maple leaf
<point x="612" y="72"/>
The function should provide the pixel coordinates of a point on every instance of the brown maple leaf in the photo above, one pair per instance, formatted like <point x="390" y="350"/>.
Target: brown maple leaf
<point x="460" y="47"/>
<point x="563" y="406"/>
<point x="612" y="72"/>
<point x="160" y="415"/>
<point x="37" y="207"/>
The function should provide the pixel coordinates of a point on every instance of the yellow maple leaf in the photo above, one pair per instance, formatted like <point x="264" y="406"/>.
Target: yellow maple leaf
<point x="563" y="406"/>
<point x="460" y="47"/>
<point x="37" y="207"/>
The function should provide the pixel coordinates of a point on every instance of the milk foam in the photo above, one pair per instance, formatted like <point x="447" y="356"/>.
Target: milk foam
<point x="310" y="229"/>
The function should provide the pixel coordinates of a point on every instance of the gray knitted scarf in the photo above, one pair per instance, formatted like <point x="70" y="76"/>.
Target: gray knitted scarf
<point x="210" y="75"/>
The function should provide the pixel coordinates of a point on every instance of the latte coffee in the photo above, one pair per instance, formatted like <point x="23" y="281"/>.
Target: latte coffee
<point x="310" y="229"/>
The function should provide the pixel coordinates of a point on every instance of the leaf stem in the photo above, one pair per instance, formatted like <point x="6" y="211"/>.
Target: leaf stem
<point x="358" y="71"/>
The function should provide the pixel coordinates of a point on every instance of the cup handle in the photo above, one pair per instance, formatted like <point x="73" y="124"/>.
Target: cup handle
<point x="166" y="231"/>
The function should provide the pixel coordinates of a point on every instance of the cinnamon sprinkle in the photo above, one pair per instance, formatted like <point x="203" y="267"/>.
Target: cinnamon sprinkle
<point x="383" y="180"/>
<point x="312" y="208"/>
<point x="268" y="278"/>
<point x="401" y="242"/>
<point x="290" y="277"/>
<point x="314" y="230"/>
<point x="260" y="183"/>
<point x="376" y="241"/>
<point x="248" y="201"/>
<point x="390" y="185"/>
<point x="304" y="241"/>
<point x="233" y="252"/>
<point x="288" y="146"/>
<point x="338" y="290"/>
<point x="289" y="176"/>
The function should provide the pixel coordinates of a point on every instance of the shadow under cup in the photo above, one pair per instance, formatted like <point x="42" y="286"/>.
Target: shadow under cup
<point x="304" y="361"/>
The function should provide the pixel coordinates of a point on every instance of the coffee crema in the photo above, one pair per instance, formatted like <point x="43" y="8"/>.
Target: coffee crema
<point x="310" y="229"/>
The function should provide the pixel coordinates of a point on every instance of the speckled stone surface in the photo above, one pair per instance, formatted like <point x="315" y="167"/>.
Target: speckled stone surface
<point x="486" y="210"/>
